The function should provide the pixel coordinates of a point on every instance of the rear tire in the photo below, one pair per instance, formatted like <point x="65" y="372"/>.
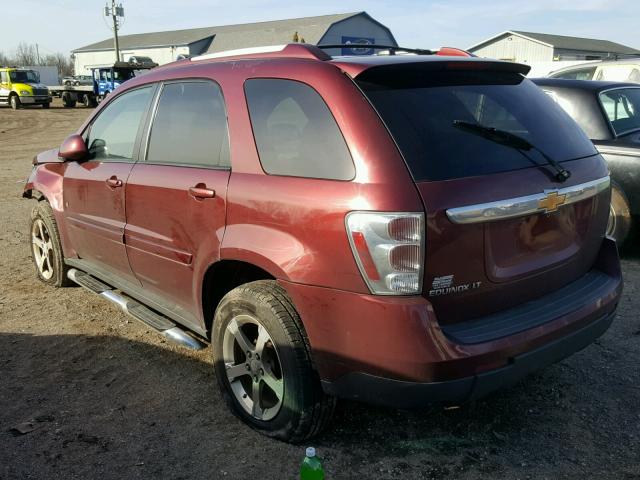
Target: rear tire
<point x="46" y="105"/>
<point x="88" y="101"/>
<point x="46" y="248"/>
<point x="255" y="319"/>
<point x="619" y="223"/>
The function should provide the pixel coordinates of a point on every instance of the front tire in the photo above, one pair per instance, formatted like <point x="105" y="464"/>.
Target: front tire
<point x="46" y="248"/>
<point x="68" y="100"/>
<point x="619" y="223"/>
<point x="263" y="364"/>
<point x="14" y="101"/>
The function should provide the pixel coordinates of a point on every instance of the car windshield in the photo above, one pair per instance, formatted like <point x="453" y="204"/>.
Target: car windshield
<point x="422" y="111"/>
<point x="24" y="76"/>
<point x="622" y="107"/>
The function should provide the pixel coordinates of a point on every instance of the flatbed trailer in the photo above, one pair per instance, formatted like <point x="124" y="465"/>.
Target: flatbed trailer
<point x="72" y="94"/>
<point x="105" y="80"/>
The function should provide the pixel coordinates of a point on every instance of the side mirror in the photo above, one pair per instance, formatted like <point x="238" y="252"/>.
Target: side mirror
<point x="74" y="149"/>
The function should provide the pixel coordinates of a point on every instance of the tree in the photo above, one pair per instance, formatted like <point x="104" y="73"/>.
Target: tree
<point x="64" y="64"/>
<point x="4" y="59"/>
<point x="26" y="54"/>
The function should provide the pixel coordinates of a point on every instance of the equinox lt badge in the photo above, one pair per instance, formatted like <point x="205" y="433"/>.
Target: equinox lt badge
<point x="444" y="286"/>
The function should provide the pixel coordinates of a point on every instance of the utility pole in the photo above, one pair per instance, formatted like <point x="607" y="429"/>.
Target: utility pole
<point x="37" y="54"/>
<point x="116" y="12"/>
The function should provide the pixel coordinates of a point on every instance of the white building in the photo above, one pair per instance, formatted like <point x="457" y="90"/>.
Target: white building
<point x="530" y="47"/>
<point x="164" y="47"/>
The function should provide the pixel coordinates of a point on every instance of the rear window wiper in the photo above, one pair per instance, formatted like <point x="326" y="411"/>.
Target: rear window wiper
<point x="514" y="141"/>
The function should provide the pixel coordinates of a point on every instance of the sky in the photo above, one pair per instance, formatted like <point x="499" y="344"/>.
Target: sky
<point x="62" y="25"/>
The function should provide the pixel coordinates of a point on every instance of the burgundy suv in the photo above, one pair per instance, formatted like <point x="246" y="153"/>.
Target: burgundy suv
<point x="399" y="229"/>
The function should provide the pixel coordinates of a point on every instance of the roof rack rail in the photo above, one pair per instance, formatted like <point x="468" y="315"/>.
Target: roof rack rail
<point x="392" y="48"/>
<point x="298" y="50"/>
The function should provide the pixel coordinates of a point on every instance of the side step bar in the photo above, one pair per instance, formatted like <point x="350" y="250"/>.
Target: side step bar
<point x="158" y="322"/>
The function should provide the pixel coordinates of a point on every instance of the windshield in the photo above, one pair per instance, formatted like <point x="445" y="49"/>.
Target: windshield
<point x="122" y="75"/>
<point x="421" y="109"/>
<point x="24" y="76"/>
<point x="622" y="107"/>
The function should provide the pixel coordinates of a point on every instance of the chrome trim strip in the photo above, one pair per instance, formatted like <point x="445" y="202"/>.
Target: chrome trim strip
<point x="526" y="205"/>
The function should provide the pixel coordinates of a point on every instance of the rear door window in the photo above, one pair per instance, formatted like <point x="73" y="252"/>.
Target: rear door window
<point x="295" y="133"/>
<point x="422" y="110"/>
<point x="190" y="126"/>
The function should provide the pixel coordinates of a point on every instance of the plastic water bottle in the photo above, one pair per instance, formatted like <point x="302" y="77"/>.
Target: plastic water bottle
<point x="311" y="468"/>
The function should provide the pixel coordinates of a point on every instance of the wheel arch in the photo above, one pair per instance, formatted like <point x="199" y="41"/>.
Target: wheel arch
<point x="45" y="183"/>
<point x="223" y="276"/>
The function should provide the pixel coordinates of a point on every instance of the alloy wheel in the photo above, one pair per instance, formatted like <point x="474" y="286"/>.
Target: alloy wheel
<point x="42" y="249"/>
<point x="253" y="367"/>
<point x="611" y="223"/>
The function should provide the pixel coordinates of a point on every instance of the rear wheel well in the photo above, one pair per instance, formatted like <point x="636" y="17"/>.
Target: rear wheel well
<point x="221" y="278"/>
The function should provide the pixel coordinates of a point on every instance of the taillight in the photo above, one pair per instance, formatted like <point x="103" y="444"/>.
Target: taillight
<point x="389" y="250"/>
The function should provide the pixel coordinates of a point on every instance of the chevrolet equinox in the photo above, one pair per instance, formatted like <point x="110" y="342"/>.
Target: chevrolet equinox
<point x="397" y="229"/>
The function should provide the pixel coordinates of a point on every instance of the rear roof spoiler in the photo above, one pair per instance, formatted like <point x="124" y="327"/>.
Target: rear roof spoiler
<point x="363" y="68"/>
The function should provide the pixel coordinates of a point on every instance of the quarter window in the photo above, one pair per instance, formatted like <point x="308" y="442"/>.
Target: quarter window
<point x="190" y="126"/>
<point x="113" y="134"/>
<point x="294" y="130"/>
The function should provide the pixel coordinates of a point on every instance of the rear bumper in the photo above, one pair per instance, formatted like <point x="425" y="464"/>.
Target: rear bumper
<point x="393" y="351"/>
<point x="401" y="394"/>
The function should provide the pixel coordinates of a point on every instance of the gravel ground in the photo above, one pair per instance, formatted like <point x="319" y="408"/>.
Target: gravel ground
<point x="106" y="398"/>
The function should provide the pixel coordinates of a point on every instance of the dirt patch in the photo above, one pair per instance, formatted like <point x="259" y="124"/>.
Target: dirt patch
<point x="87" y="392"/>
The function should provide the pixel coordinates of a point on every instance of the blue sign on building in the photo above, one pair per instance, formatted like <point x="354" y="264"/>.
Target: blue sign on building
<point x="359" y="45"/>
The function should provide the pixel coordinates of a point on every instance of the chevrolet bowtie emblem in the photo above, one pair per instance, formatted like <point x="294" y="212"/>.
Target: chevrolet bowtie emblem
<point x="551" y="202"/>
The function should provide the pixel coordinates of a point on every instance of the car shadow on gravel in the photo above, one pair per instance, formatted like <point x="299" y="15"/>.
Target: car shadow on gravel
<point x="75" y="405"/>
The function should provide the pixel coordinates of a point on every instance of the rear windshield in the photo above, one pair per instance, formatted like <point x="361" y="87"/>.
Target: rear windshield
<point x="420" y="109"/>
<point x="622" y="106"/>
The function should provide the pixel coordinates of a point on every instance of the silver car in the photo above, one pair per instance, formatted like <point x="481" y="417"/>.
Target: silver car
<point x="627" y="70"/>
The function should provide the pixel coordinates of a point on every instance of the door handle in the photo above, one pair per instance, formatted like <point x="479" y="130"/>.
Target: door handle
<point x="201" y="191"/>
<point x="114" y="182"/>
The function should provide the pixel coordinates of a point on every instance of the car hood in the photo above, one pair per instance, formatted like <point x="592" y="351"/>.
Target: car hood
<point x="28" y="86"/>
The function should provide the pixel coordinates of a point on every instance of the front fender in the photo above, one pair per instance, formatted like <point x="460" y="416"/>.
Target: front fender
<point x="45" y="183"/>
